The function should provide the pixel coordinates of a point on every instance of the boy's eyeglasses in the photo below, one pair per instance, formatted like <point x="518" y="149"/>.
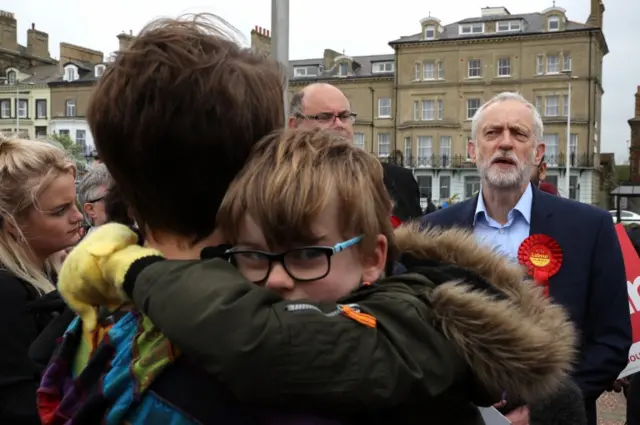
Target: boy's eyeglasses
<point x="303" y="264"/>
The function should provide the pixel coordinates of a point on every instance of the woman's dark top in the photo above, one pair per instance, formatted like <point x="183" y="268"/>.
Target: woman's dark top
<point x="24" y="313"/>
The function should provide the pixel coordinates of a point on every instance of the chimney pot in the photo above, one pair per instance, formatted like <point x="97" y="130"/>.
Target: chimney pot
<point x="33" y="26"/>
<point x="268" y="33"/>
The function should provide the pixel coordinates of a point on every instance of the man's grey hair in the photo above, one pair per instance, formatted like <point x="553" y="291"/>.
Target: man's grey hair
<point x="538" y="127"/>
<point x="295" y="106"/>
<point x="90" y="187"/>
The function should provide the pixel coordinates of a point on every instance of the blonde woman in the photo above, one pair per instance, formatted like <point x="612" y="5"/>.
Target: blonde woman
<point x="38" y="218"/>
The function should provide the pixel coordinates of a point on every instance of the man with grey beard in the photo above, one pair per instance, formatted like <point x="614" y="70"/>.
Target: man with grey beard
<point x="589" y="276"/>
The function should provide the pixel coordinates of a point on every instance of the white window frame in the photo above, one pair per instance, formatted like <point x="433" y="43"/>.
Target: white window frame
<point x="511" y="26"/>
<point x="566" y="62"/>
<point x="540" y="105"/>
<point x="70" y="73"/>
<point x="440" y="107"/>
<point x="5" y="109"/>
<point x="573" y="148"/>
<point x="553" y="23"/>
<point x="440" y="70"/>
<point x="429" y="70"/>
<point x="504" y="67"/>
<point x="540" y="65"/>
<point x="445" y="151"/>
<point x="22" y="108"/>
<point x="429" y="29"/>
<point x="303" y="71"/>
<point x="40" y="102"/>
<point x="474" y="66"/>
<point x="469" y="29"/>
<point x="383" y="67"/>
<point x="12" y="77"/>
<point x="343" y="67"/>
<point x="408" y="151"/>
<point x="425" y="149"/>
<point x="70" y="108"/>
<point x="383" y="106"/>
<point x="428" y="110"/>
<point x="551" y="148"/>
<point x="551" y="69"/>
<point x="384" y="140"/>
<point x="417" y="111"/>
<point x="552" y="106"/>
<point x="358" y="140"/>
<point x="473" y="108"/>
<point x="417" y="70"/>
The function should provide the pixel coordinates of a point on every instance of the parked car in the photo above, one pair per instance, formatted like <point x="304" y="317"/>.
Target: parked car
<point x="626" y="217"/>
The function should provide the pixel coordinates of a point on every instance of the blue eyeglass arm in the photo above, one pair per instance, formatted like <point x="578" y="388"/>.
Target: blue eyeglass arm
<point x="346" y="244"/>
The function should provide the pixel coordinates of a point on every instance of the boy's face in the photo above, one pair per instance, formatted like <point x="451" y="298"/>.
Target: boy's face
<point x="344" y="270"/>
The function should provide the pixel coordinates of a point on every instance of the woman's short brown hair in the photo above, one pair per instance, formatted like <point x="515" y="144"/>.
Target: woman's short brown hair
<point x="294" y="175"/>
<point x="176" y="115"/>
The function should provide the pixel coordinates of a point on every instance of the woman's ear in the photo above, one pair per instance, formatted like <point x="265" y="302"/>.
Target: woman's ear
<point x="374" y="263"/>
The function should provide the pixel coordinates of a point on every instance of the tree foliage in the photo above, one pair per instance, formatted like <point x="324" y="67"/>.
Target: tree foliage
<point x="74" y="150"/>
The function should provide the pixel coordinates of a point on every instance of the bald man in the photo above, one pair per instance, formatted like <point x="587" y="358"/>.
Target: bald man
<point x="325" y="106"/>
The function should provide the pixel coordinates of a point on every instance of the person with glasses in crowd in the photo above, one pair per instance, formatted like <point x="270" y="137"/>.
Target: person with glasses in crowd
<point x="91" y="193"/>
<point x="322" y="105"/>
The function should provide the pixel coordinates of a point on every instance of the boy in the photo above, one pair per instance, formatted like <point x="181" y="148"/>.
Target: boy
<point x="308" y="218"/>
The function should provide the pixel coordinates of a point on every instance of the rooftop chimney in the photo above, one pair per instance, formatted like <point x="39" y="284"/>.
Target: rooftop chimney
<point x="637" y="115"/>
<point x="495" y="11"/>
<point x="8" y="31"/>
<point x="38" y="42"/>
<point x="261" y="40"/>
<point x="125" y="40"/>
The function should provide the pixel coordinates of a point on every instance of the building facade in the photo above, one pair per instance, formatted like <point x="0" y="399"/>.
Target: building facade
<point x="71" y="93"/>
<point x="416" y="104"/>
<point x="24" y="73"/>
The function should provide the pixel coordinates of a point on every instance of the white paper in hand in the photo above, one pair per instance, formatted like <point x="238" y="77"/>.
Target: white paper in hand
<point x="492" y="416"/>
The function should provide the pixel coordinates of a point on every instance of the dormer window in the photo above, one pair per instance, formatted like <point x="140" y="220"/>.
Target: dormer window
<point x="554" y="23"/>
<point x="305" y="71"/>
<point x="380" y="67"/>
<point x="475" y="28"/>
<point x="429" y="32"/>
<point x="12" y="77"/>
<point x="508" y="26"/>
<point x="343" y="69"/>
<point x="70" y="73"/>
<point x="99" y="70"/>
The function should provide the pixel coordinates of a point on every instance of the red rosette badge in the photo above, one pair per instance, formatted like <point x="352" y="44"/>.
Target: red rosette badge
<point x="542" y="256"/>
<point x="395" y="221"/>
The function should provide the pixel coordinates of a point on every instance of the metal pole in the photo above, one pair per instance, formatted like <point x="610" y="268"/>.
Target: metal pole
<point x="568" y="148"/>
<point x="17" y="108"/>
<point x="280" y="45"/>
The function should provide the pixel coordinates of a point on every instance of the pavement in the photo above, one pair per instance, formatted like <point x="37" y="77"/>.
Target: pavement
<point x="612" y="409"/>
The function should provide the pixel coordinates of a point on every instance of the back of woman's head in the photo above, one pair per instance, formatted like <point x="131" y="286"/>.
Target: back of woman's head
<point x="27" y="168"/>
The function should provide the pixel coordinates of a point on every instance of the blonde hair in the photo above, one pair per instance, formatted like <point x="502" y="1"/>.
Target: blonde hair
<point x="27" y="168"/>
<point x="291" y="178"/>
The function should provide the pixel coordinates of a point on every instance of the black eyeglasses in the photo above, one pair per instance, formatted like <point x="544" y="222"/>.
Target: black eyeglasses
<point x="329" y="117"/>
<point x="302" y="264"/>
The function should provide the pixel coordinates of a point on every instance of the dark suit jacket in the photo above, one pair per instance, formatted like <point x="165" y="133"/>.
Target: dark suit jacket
<point x="404" y="191"/>
<point x="591" y="283"/>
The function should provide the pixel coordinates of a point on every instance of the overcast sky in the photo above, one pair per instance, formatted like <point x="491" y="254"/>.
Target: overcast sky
<point x="356" y="26"/>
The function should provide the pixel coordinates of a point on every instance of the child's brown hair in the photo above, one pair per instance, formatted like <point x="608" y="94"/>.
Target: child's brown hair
<point x="291" y="178"/>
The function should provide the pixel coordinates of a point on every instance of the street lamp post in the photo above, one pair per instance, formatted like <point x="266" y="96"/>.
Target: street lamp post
<point x="280" y="44"/>
<point x="568" y="147"/>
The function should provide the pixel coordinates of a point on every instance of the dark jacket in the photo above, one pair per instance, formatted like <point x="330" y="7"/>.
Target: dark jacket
<point x="401" y="370"/>
<point x="591" y="283"/>
<point x="404" y="191"/>
<point x="23" y="314"/>
<point x="564" y="407"/>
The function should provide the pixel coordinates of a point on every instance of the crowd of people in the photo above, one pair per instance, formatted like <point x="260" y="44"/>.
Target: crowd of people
<point x="219" y="269"/>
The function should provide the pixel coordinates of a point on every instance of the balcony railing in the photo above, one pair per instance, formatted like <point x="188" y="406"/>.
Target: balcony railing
<point x="463" y="162"/>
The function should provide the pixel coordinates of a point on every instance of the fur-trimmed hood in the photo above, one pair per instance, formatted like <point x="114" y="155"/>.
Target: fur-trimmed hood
<point x="522" y="344"/>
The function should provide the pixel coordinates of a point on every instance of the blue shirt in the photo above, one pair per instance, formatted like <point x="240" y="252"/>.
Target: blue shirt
<point x="505" y="239"/>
